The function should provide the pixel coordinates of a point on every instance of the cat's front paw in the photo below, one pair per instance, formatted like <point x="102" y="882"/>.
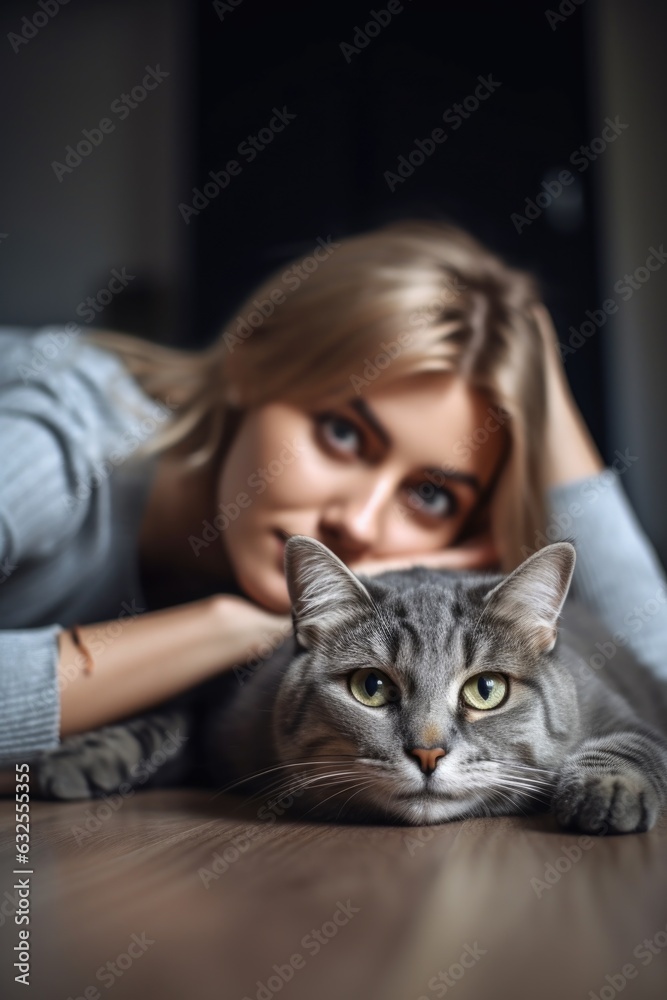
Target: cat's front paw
<point x="600" y="803"/>
<point x="82" y="767"/>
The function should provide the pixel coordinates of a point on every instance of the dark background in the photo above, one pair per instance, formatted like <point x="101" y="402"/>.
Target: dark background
<point x="325" y="173"/>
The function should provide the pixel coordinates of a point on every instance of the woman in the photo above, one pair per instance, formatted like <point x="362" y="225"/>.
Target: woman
<point x="399" y="395"/>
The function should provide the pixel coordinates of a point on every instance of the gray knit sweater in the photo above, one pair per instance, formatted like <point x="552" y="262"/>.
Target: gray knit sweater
<point x="72" y="499"/>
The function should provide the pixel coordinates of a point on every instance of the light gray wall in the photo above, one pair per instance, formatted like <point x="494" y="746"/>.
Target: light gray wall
<point x="118" y="208"/>
<point x="629" y="77"/>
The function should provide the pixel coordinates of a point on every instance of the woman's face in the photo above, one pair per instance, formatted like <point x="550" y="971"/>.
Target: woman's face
<point x="397" y="472"/>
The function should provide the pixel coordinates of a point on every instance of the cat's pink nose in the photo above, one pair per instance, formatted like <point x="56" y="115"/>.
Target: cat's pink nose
<point x="428" y="759"/>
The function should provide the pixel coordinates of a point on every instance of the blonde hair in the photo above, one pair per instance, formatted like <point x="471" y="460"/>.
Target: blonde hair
<point x="409" y="296"/>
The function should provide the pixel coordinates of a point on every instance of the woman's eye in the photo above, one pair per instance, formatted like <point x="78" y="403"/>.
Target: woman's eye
<point x="485" y="691"/>
<point x="431" y="499"/>
<point x="343" y="436"/>
<point x="340" y="433"/>
<point x="373" y="688"/>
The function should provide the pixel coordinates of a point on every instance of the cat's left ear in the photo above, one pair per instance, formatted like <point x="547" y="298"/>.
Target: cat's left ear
<point x="323" y="591"/>
<point x="532" y="596"/>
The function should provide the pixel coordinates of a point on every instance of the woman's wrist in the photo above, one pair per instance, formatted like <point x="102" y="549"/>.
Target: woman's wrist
<point x="247" y="628"/>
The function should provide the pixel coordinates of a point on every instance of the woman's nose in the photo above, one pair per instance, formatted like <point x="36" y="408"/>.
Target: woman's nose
<point x="354" y="523"/>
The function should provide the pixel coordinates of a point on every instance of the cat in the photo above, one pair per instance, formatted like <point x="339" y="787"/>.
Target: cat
<point x="424" y="696"/>
<point x="414" y="697"/>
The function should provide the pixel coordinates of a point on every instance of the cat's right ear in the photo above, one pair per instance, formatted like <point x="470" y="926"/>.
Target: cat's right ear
<point x="532" y="596"/>
<point x="323" y="591"/>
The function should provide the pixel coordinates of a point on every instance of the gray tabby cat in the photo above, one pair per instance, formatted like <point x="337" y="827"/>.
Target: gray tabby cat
<point x="415" y="697"/>
<point x="423" y="696"/>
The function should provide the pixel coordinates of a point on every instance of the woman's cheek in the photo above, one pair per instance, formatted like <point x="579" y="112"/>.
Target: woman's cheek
<point x="300" y="481"/>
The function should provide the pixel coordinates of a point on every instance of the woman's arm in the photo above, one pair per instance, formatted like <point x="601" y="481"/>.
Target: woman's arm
<point x="571" y="451"/>
<point x="617" y="574"/>
<point x="157" y="655"/>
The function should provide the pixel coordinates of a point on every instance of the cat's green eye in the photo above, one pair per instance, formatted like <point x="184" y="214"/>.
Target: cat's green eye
<point x="484" y="691"/>
<point x="373" y="688"/>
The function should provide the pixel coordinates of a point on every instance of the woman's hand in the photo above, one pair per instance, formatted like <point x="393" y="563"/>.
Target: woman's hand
<point x="477" y="553"/>
<point x="571" y="451"/>
<point x="255" y="630"/>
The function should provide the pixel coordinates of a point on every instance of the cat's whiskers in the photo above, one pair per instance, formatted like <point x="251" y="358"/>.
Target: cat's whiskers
<point x="283" y="777"/>
<point x="486" y="809"/>
<point x="525" y="772"/>
<point x="522" y="790"/>
<point x="504" y="797"/>
<point x="293" y="785"/>
<point x="288" y="784"/>
<point x="361" y="789"/>
<point x="278" y="767"/>
<point x="526" y="782"/>
<point x="364" y="784"/>
<point x="512" y="763"/>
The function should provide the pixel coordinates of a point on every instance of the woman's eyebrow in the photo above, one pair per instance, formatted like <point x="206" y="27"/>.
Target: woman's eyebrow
<point x="435" y="473"/>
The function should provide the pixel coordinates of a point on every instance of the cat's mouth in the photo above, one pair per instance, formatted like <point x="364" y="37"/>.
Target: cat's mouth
<point x="425" y="793"/>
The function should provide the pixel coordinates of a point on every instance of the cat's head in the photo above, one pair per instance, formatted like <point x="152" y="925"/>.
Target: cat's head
<point x="424" y="696"/>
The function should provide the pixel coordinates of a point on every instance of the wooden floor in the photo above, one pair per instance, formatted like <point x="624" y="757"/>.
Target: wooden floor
<point x="174" y="895"/>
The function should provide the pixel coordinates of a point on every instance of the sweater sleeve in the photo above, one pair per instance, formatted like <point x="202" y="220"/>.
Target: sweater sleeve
<point x="29" y="694"/>
<point x="57" y="424"/>
<point x="617" y="575"/>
